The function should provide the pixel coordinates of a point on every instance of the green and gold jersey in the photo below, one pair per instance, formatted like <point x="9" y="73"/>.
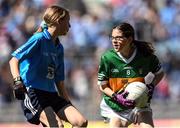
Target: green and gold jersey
<point x="116" y="71"/>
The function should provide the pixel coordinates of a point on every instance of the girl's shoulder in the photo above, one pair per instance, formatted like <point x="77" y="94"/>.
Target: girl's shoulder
<point x="109" y="53"/>
<point x="38" y="35"/>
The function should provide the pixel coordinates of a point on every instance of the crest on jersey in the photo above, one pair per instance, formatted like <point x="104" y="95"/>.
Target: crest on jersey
<point x="140" y="71"/>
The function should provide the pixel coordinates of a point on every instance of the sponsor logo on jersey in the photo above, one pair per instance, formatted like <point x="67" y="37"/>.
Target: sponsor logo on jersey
<point x="124" y="81"/>
<point x="115" y="70"/>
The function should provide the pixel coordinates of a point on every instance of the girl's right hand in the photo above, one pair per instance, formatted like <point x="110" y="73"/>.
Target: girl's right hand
<point x="19" y="89"/>
<point x="121" y="99"/>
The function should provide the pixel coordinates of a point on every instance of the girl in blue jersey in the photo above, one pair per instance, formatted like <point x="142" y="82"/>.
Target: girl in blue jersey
<point x="37" y="68"/>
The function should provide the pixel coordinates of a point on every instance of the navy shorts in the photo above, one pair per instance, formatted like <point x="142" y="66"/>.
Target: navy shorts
<point x="36" y="100"/>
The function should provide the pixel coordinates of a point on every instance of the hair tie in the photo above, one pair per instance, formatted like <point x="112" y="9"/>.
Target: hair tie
<point x="43" y="25"/>
<point x="63" y="14"/>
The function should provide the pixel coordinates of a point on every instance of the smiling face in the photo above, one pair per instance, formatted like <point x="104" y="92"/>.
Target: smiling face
<point x="119" y="41"/>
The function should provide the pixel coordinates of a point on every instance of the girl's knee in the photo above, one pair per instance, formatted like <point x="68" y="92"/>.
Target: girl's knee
<point x="81" y="123"/>
<point x="84" y="123"/>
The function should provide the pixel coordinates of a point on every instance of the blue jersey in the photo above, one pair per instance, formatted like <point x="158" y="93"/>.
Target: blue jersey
<point x="41" y="62"/>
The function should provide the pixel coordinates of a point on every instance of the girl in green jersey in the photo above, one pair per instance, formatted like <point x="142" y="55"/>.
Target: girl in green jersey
<point x="129" y="60"/>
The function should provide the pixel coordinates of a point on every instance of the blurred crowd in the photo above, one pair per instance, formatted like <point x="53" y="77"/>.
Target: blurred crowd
<point x="156" y="21"/>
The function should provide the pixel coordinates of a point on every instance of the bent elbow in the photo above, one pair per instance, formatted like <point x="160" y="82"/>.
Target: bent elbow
<point x="10" y="61"/>
<point x="100" y="88"/>
<point x="13" y="60"/>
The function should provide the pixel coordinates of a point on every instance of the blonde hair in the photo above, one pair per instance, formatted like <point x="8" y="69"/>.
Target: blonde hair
<point x="53" y="14"/>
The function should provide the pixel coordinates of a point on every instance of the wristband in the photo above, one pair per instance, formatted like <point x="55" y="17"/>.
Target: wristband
<point x="114" y="96"/>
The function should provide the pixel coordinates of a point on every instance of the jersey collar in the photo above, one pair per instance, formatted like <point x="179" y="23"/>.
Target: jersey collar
<point x="46" y="34"/>
<point x="127" y="60"/>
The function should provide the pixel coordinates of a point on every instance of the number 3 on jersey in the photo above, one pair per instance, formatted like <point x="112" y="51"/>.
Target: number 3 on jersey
<point x="50" y="74"/>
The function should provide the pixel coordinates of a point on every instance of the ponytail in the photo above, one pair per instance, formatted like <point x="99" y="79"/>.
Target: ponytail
<point x="127" y="30"/>
<point x="146" y="48"/>
<point x="42" y="26"/>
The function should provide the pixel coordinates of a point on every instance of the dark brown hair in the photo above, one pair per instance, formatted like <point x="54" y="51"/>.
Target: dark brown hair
<point x="146" y="48"/>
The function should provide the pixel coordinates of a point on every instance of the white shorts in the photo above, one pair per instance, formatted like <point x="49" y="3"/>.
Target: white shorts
<point x="129" y="115"/>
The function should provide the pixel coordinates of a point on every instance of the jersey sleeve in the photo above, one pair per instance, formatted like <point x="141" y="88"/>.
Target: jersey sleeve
<point x="155" y="65"/>
<point x="60" y="75"/>
<point x="27" y="49"/>
<point x="103" y="77"/>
